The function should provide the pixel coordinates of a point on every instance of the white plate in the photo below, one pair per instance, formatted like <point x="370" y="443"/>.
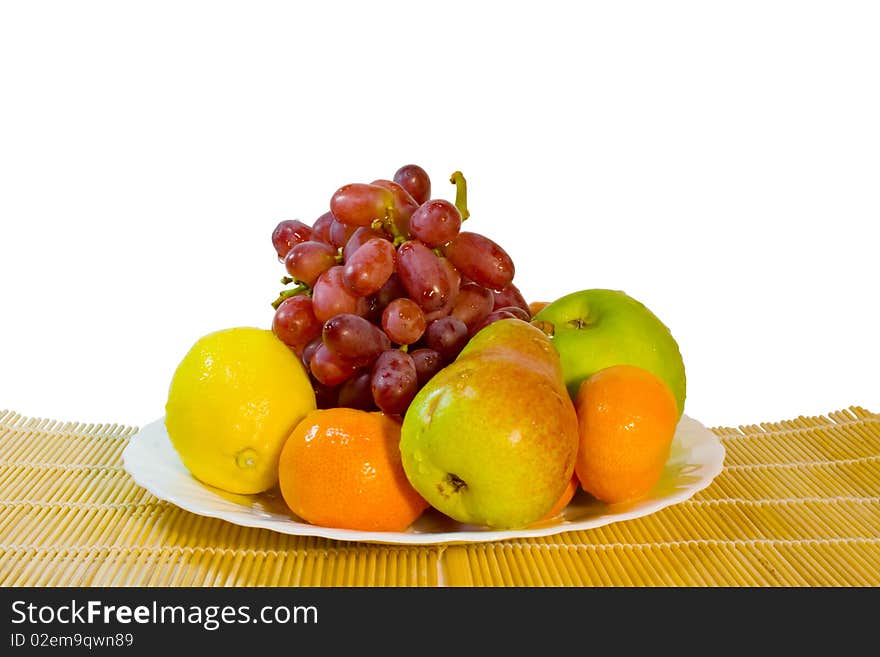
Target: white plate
<point x="696" y="458"/>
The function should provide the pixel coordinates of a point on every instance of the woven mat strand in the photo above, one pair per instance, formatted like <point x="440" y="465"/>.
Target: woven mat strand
<point x="797" y="504"/>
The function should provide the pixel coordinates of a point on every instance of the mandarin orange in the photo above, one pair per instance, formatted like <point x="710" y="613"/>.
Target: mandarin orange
<point x="563" y="500"/>
<point x="341" y="468"/>
<point x="537" y="306"/>
<point x="627" y="418"/>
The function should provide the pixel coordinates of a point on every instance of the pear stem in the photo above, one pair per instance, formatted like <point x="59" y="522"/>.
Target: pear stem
<point x="460" y="183"/>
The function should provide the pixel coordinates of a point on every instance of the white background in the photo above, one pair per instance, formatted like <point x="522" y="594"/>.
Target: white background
<point x="718" y="161"/>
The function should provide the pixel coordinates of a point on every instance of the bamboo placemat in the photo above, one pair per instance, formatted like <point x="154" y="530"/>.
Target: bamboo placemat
<point x="797" y="504"/>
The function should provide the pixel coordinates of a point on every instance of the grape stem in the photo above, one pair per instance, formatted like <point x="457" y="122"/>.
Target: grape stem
<point x="388" y="225"/>
<point x="302" y="288"/>
<point x="286" y="280"/>
<point x="460" y="183"/>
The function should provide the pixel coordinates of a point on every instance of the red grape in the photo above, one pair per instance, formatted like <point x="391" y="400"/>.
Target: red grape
<point x="330" y="369"/>
<point x="447" y="336"/>
<point x="493" y="316"/>
<point x="354" y="339"/>
<point x="357" y="392"/>
<point x="481" y="260"/>
<point x="472" y="305"/>
<point x="454" y="279"/>
<point x="509" y="296"/>
<point x="369" y="267"/>
<point x="330" y="296"/>
<point x="321" y="228"/>
<point x="517" y="312"/>
<point x="307" y="261"/>
<point x="374" y="312"/>
<point x="423" y="276"/>
<point x="393" y="289"/>
<point x="394" y="381"/>
<point x="429" y="295"/>
<point x="358" y="238"/>
<point x="358" y="204"/>
<point x="288" y="234"/>
<point x="415" y="180"/>
<point x="340" y="233"/>
<point x="403" y="321"/>
<point x="325" y="396"/>
<point x="428" y="362"/>
<point x="435" y="222"/>
<point x="309" y="351"/>
<point x="295" y="323"/>
<point x="404" y="204"/>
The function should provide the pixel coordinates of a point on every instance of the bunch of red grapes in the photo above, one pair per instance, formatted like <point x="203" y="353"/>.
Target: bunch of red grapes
<point x="389" y="290"/>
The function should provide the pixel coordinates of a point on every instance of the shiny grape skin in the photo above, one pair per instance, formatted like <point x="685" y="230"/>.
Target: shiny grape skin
<point x="423" y="276"/>
<point x="374" y="312"/>
<point x="454" y="279"/>
<point x="331" y="297"/>
<point x="403" y="321"/>
<point x="494" y="316"/>
<point x="357" y="392"/>
<point x="370" y="267"/>
<point x="428" y="362"/>
<point x="517" y="312"/>
<point x="394" y="381"/>
<point x="393" y="289"/>
<point x="358" y="204"/>
<point x="472" y="304"/>
<point x="435" y="222"/>
<point x="321" y="228"/>
<point x="414" y="179"/>
<point x="358" y="238"/>
<point x="330" y="369"/>
<point x="509" y="296"/>
<point x="287" y="234"/>
<point x="404" y="205"/>
<point x="447" y="336"/>
<point x="309" y="351"/>
<point x="307" y="261"/>
<point x="295" y="323"/>
<point x="340" y="233"/>
<point x="354" y="339"/>
<point x="481" y="260"/>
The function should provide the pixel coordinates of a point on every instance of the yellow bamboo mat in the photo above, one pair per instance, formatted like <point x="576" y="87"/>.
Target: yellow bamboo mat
<point x="797" y="504"/>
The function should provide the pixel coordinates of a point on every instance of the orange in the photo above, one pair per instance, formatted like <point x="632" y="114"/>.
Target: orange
<point x="537" y="306"/>
<point x="626" y="419"/>
<point x="341" y="468"/>
<point x="563" y="500"/>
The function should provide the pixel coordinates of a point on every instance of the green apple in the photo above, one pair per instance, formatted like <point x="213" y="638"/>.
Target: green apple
<point x="492" y="438"/>
<point x="595" y="329"/>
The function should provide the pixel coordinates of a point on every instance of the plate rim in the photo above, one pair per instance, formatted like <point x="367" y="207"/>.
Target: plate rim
<point x="713" y="467"/>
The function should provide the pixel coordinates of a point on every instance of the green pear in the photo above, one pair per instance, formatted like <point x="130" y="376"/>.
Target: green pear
<point x="491" y="439"/>
<point x="595" y="329"/>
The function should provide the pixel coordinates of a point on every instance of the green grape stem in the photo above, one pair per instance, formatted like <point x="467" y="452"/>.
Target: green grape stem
<point x="302" y="288"/>
<point x="388" y="225"/>
<point x="460" y="183"/>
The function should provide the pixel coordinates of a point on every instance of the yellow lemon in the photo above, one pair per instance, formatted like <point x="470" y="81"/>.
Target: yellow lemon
<point x="233" y="401"/>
